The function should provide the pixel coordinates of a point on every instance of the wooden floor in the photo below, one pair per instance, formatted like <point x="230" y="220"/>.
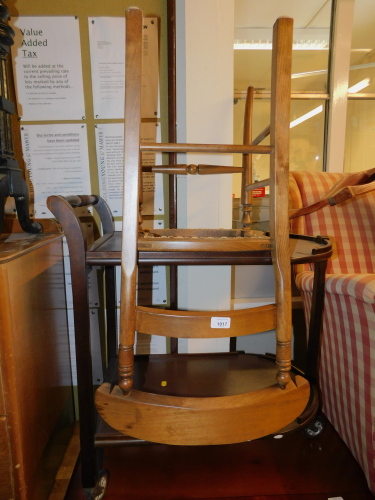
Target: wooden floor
<point x="292" y="468"/>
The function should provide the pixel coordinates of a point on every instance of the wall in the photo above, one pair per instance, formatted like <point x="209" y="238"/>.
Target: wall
<point x="205" y="115"/>
<point x="84" y="9"/>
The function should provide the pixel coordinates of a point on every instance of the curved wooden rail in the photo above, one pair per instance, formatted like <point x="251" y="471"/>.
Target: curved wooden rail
<point x="187" y="324"/>
<point x="202" y="421"/>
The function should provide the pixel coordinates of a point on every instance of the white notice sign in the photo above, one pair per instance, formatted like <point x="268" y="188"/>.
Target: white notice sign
<point x="56" y="157"/>
<point x="47" y="65"/>
<point x="107" y="53"/>
<point x="110" y="158"/>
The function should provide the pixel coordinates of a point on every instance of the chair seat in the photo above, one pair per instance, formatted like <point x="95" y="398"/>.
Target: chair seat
<point x="230" y="240"/>
<point x="230" y="247"/>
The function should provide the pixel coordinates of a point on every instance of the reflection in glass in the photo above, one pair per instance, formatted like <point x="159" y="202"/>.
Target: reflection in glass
<point x="306" y="135"/>
<point x="309" y="70"/>
<point x="360" y="119"/>
<point x="252" y="65"/>
<point x="253" y="39"/>
<point x="360" y="135"/>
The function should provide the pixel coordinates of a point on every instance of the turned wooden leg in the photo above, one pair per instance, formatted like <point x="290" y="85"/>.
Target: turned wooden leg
<point x="246" y="215"/>
<point x="283" y="363"/>
<point x="125" y="368"/>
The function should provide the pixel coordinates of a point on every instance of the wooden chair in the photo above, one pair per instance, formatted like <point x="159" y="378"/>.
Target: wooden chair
<point x="174" y="419"/>
<point x="201" y="398"/>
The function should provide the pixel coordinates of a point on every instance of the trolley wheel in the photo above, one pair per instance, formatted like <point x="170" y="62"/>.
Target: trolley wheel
<point x="315" y="427"/>
<point x="100" y="488"/>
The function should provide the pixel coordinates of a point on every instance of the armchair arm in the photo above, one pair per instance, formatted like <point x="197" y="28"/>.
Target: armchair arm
<point x="349" y="192"/>
<point x="346" y="188"/>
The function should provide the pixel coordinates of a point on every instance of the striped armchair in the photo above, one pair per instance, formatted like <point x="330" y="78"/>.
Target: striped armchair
<point x="347" y="372"/>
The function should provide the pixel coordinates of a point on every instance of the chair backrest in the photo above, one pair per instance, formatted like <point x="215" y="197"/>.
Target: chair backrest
<point x="350" y="225"/>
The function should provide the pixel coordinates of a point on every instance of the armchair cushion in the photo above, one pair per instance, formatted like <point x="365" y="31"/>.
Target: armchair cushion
<point x="359" y="286"/>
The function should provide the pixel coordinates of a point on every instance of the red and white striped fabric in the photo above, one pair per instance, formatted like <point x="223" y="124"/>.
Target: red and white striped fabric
<point x="347" y="373"/>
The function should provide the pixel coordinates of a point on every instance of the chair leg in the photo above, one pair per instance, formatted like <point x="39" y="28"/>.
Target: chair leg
<point x="126" y="367"/>
<point x="279" y="167"/>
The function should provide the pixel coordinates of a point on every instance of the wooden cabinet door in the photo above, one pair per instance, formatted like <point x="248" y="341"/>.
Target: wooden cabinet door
<point x="35" y="363"/>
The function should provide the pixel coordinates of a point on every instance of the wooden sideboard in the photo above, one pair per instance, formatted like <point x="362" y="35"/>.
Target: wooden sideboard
<point x="36" y="399"/>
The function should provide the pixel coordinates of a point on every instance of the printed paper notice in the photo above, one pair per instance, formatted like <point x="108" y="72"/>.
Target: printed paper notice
<point x="47" y="65"/>
<point x="107" y="53"/>
<point x="110" y="158"/>
<point x="56" y="157"/>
